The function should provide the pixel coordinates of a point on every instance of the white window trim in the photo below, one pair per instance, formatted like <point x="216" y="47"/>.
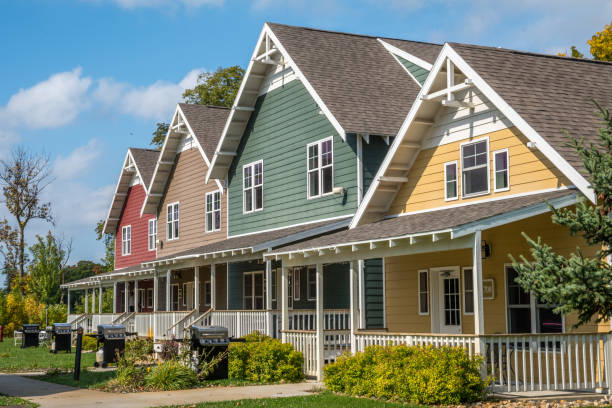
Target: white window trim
<point x="495" y="189"/>
<point x="154" y="221"/>
<point x="252" y="188"/>
<point x="207" y="303"/>
<point x="319" y="168"/>
<point x="463" y="270"/>
<point x="124" y="240"/>
<point x="206" y="212"/>
<point x="149" y="290"/>
<point x="297" y="283"/>
<point x="178" y="295"/>
<point x="446" y="198"/>
<point x="263" y="296"/>
<point x="309" y="270"/>
<point x="173" y="220"/>
<point x="488" y="191"/>
<point x="184" y="294"/>
<point x="426" y="272"/>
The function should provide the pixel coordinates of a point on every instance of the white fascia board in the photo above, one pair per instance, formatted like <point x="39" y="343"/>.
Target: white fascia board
<point x="438" y="64"/>
<point x="159" y="159"/>
<point x="406" y="55"/>
<point x="110" y="208"/>
<point x="513" y="216"/>
<point x="551" y="154"/>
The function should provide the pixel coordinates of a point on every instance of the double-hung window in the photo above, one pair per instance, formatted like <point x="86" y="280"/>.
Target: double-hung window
<point x="252" y="186"/>
<point x="207" y="293"/>
<point x="213" y="211"/>
<point x="450" y="181"/>
<point x="500" y="170"/>
<point x="320" y="165"/>
<point x="475" y="168"/>
<point x="152" y="233"/>
<point x="468" y="291"/>
<point x="172" y="223"/>
<point x="126" y="240"/>
<point x="423" y="292"/>
<point x="296" y="283"/>
<point x="312" y="283"/>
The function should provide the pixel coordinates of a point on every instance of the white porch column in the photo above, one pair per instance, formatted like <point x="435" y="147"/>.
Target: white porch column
<point x="136" y="296"/>
<point x="269" y="324"/>
<point x="284" y="302"/>
<point x="93" y="300"/>
<point x="196" y="288"/>
<point x="168" y="274"/>
<point x="86" y="301"/>
<point x="477" y="281"/>
<point x="115" y="297"/>
<point x="213" y="286"/>
<point x="361" y="288"/>
<point x="126" y="296"/>
<point x="155" y="294"/>
<point x="100" y="298"/>
<point x="68" y="301"/>
<point x="320" y="322"/>
<point x="354" y="302"/>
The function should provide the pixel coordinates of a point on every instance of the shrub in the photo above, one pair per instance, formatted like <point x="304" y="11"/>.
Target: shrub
<point x="129" y="376"/>
<point x="423" y="375"/>
<point x="170" y="350"/>
<point x="140" y="349"/>
<point x="264" y="360"/>
<point x="171" y="375"/>
<point x="89" y="344"/>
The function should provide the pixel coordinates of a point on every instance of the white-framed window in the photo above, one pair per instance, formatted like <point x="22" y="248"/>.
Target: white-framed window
<point x="253" y="285"/>
<point x="320" y="167"/>
<point x="468" y="291"/>
<point x="274" y="287"/>
<point x="501" y="170"/>
<point x="126" y="240"/>
<point x="172" y="221"/>
<point x="174" y="296"/>
<point x="526" y="314"/>
<point x="451" y="191"/>
<point x="252" y="186"/>
<point x="423" y="285"/>
<point x="297" y="272"/>
<point x="475" y="168"/>
<point x="149" y="297"/>
<point x="207" y="293"/>
<point x="213" y="211"/>
<point x="152" y="234"/>
<point x="311" y="275"/>
<point x="185" y="290"/>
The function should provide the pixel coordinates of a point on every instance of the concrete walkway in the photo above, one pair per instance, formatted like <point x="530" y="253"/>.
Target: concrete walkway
<point x="50" y="395"/>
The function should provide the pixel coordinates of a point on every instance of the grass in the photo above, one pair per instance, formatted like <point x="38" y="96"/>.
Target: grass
<point x="6" y="401"/>
<point x="15" y="359"/>
<point x="324" y="399"/>
<point x="88" y="379"/>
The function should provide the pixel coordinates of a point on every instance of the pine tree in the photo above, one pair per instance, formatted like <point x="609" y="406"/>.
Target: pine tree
<point x="578" y="283"/>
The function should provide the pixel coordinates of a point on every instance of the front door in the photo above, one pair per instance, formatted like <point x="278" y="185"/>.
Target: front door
<point x="253" y="290"/>
<point x="449" y="302"/>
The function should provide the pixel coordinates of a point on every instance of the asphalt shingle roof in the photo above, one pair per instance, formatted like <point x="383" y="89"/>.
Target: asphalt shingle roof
<point x="145" y="161"/>
<point x="207" y="122"/>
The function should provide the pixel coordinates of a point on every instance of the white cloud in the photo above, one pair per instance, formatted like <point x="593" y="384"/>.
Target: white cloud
<point x="53" y="102"/>
<point x="78" y="162"/>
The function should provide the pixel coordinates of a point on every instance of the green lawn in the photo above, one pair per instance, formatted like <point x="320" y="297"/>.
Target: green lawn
<point x="6" y="401"/>
<point x="16" y="359"/>
<point x="324" y="399"/>
<point x="88" y="379"/>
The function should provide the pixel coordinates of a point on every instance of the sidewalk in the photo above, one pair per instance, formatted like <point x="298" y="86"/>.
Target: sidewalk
<point x="50" y="395"/>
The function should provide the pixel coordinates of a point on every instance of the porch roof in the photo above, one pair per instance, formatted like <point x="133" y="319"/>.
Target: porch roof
<point x="95" y="280"/>
<point x="457" y="221"/>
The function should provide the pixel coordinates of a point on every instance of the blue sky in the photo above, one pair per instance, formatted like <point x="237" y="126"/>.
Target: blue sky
<point x="82" y="80"/>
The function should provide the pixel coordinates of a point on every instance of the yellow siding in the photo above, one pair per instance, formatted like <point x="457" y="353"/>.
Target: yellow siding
<point x="401" y="276"/>
<point x="529" y="171"/>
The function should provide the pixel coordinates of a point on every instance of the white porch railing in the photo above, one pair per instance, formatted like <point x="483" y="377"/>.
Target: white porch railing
<point x="306" y="342"/>
<point x="335" y="342"/>
<point x="365" y="339"/>
<point x="241" y="322"/>
<point x="334" y="319"/>
<point x="180" y="328"/>
<point x="165" y="320"/>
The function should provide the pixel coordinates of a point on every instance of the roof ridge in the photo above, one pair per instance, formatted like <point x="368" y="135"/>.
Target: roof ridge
<point x="375" y="37"/>
<point x="145" y="148"/>
<point x="530" y="53"/>
<point x="204" y="106"/>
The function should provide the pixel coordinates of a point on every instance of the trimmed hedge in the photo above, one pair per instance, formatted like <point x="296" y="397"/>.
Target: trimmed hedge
<point x="423" y="375"/>
<point x="262" y="359"/>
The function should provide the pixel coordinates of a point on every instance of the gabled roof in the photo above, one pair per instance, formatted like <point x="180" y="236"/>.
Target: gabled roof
<point x="204" y="123"/>
<point x="139" y="162"/>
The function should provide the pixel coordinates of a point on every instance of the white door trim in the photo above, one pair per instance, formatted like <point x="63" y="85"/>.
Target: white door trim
<point x="435" y="300"/>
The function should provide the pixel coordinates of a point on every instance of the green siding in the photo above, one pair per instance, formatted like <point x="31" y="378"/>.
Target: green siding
<point x="374" y="300"/>
<point x="373" y="155"/>
<point x="420" y="74"/>
<point x="285" y="120"/>
<point x="235" y="281"/>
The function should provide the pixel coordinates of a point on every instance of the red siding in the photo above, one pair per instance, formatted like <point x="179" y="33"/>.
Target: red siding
<point x="140" y="230"/>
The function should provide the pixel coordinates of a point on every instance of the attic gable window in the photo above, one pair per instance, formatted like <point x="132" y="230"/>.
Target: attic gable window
<point x="320" y="163"/>
<point x="500" y="170"/>
<point x="126" y="240"/>
<point x="152" y="234"/>
<point x="172" y="221"/>
<point x="450" y="181"/>
<point x="252" y="186"/>
<point x="213" y="211"/>
<point x="475" y="168"/>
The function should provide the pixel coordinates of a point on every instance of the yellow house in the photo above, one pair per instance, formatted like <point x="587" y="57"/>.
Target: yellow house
<point x="480" y="154"/>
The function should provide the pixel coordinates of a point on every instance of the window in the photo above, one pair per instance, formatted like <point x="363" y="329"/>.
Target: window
<point x="500" y="170"/>
<point x="185" y="294"/>
<point x="207" y="293"/>
<point x="152" y="234"/>
<point x="296" y="283"/>
<point x="174" y="295"/>
<point x="311" y="275"/>
<point x="468" y="291"/>
<point x="213" y="211"/>
<point x="320" y="168"/>
<point x="150" y="297"/>
<point x="126" y="240"/>
<point x="450" y="181"/>
<point x="253" y="290"/>
<point x="475" y="168"/>
<point x="423" y="293"/>
<point x="524" y="308"/>
<point x="274" y="288"/>
<point x="253" y="187"/>
<point x="172" y="223"/>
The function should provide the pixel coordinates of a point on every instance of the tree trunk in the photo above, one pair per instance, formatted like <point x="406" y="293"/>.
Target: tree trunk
<point x="21" y="251"/>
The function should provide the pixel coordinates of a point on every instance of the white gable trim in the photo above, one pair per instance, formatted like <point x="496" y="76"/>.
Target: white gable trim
<point x="415" y="60"/>
<point x="447" y="52"/>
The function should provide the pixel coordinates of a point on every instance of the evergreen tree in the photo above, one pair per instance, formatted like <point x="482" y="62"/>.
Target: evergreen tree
<point x="578" y="283"/>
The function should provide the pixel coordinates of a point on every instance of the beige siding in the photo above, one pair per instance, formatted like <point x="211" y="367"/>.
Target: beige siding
<point x="187" y="186"/>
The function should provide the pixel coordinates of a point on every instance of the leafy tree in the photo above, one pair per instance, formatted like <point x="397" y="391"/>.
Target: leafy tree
<point x="108" y="262"/>
<point x="49" y="257"/>
<point x="159" y="135"/>
<point x="23" y="177"/>
<point x="601" y="44"/>
<point x="578" y="283"/>
<point x="9" y="249"/>
<point x="82" y="269"/>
